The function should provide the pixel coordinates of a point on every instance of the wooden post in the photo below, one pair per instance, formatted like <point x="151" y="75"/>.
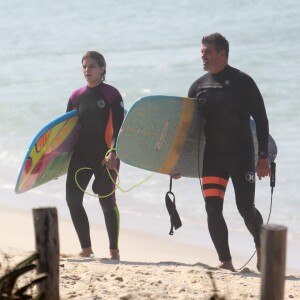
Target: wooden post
<point x="47" y="245"/>
<point x="273" y="256"/>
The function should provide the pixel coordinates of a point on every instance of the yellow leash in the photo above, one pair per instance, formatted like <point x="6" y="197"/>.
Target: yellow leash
<point x="133" y="187"/>
<point x="117" y="185"/>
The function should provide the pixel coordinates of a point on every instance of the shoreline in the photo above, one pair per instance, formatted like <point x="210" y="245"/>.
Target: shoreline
<point x="134" y="246"/>
<point x="150" y="267"/>
<point x="141" y="226"/>
<point x="143" y="237"/>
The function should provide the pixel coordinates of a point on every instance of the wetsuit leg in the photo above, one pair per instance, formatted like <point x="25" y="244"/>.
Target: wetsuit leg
<point x="109" y="206"/>
<point x="243" y="179"/>
<point x="74" y="197"/>
<point x="214" y="180"/>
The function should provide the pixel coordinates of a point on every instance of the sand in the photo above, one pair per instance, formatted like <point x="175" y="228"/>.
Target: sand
<point x="150" y="267"/>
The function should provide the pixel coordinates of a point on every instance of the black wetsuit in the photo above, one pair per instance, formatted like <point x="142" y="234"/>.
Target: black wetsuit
<point x="227" y="100"/>
<point x="101" y="113"/>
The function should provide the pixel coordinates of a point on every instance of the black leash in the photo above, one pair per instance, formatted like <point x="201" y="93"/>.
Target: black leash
<point x="171" y="207"/>
<point x="272" y="185"/>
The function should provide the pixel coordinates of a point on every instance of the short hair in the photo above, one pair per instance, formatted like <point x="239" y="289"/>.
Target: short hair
<point x="99" y="59"/>
<point x="218" y="40"/>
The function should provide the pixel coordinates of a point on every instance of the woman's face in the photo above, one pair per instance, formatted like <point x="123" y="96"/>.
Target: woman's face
<point x="92" y="71"/>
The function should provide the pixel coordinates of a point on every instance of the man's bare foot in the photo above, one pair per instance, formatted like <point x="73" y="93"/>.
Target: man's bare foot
<point x="227" y="265"/>
<point x="258" y="259"/>
<point x="86" y="252"/>
<point x="114" y="254"/>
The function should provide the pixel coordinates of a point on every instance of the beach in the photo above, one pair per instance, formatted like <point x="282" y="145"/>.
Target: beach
<point x="151" y="48"/>
<point x="151" y="267"/>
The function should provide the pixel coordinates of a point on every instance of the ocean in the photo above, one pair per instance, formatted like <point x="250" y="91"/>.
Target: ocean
<point x="151" y="48"/>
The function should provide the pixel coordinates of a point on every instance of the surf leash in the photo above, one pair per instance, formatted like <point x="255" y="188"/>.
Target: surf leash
<point x="116" y="183"/>
<point x="272" y="185"/>
<point x="84" y="191"/>
<point x="171" y="207"/>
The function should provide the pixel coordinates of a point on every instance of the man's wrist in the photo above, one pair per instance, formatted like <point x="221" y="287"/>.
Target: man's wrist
<point x="263" y="154"/>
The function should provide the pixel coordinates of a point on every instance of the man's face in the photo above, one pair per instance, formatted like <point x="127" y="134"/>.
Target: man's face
<point x="213" y="61"/>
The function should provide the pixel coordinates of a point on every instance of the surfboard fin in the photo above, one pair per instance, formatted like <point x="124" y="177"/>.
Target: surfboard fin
<point x="171" y="207"/>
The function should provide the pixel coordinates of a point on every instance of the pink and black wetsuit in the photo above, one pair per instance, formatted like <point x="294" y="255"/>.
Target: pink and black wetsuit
<point x="101" y="113"/>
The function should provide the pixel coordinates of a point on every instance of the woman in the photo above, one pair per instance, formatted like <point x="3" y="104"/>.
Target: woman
<point x="101" y="112"/>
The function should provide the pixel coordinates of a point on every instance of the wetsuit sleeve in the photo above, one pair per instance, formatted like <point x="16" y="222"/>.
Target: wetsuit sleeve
<point x="73" y="101"/>
<point x="258" y="112"/>
<point x="117" y="108"/>
<point x="70" y="106"/>
<point x="192" y="91"/>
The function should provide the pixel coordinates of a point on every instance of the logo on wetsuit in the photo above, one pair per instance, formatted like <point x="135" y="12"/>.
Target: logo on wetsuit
<point x="250" y="177"/>
<point x="101" y="103"/>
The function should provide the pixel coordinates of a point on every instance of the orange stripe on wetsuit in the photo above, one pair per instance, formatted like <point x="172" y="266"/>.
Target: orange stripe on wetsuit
<point x="109" y="131"/>
<point x="214" y="186"/>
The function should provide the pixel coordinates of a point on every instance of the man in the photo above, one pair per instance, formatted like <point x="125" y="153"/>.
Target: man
<point x="227" y="99"/>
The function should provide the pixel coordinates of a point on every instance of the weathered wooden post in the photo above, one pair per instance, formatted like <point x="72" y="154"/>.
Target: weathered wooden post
<point x="273" y="257"/>
<point x="47" y="245"/>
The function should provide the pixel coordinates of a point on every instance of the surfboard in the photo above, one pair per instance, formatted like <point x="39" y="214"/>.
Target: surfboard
<point x="49" y="153"/>
<point x="164" y="134"/>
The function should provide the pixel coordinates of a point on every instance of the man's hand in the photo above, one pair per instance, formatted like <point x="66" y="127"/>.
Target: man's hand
<point x="263" y="168"/>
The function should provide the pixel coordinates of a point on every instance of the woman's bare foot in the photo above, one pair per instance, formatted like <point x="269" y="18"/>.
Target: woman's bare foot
<point x="86" y="252"/>
<point x="114" y="254"/>
<point x="227" y="265"/>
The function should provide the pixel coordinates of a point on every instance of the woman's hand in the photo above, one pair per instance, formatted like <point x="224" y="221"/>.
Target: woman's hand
<point x="110" y="161"/>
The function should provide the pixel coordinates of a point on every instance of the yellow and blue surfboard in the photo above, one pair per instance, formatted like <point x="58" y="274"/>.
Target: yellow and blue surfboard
<point x="164" y="134"/>
<point x="49" y="153"/>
